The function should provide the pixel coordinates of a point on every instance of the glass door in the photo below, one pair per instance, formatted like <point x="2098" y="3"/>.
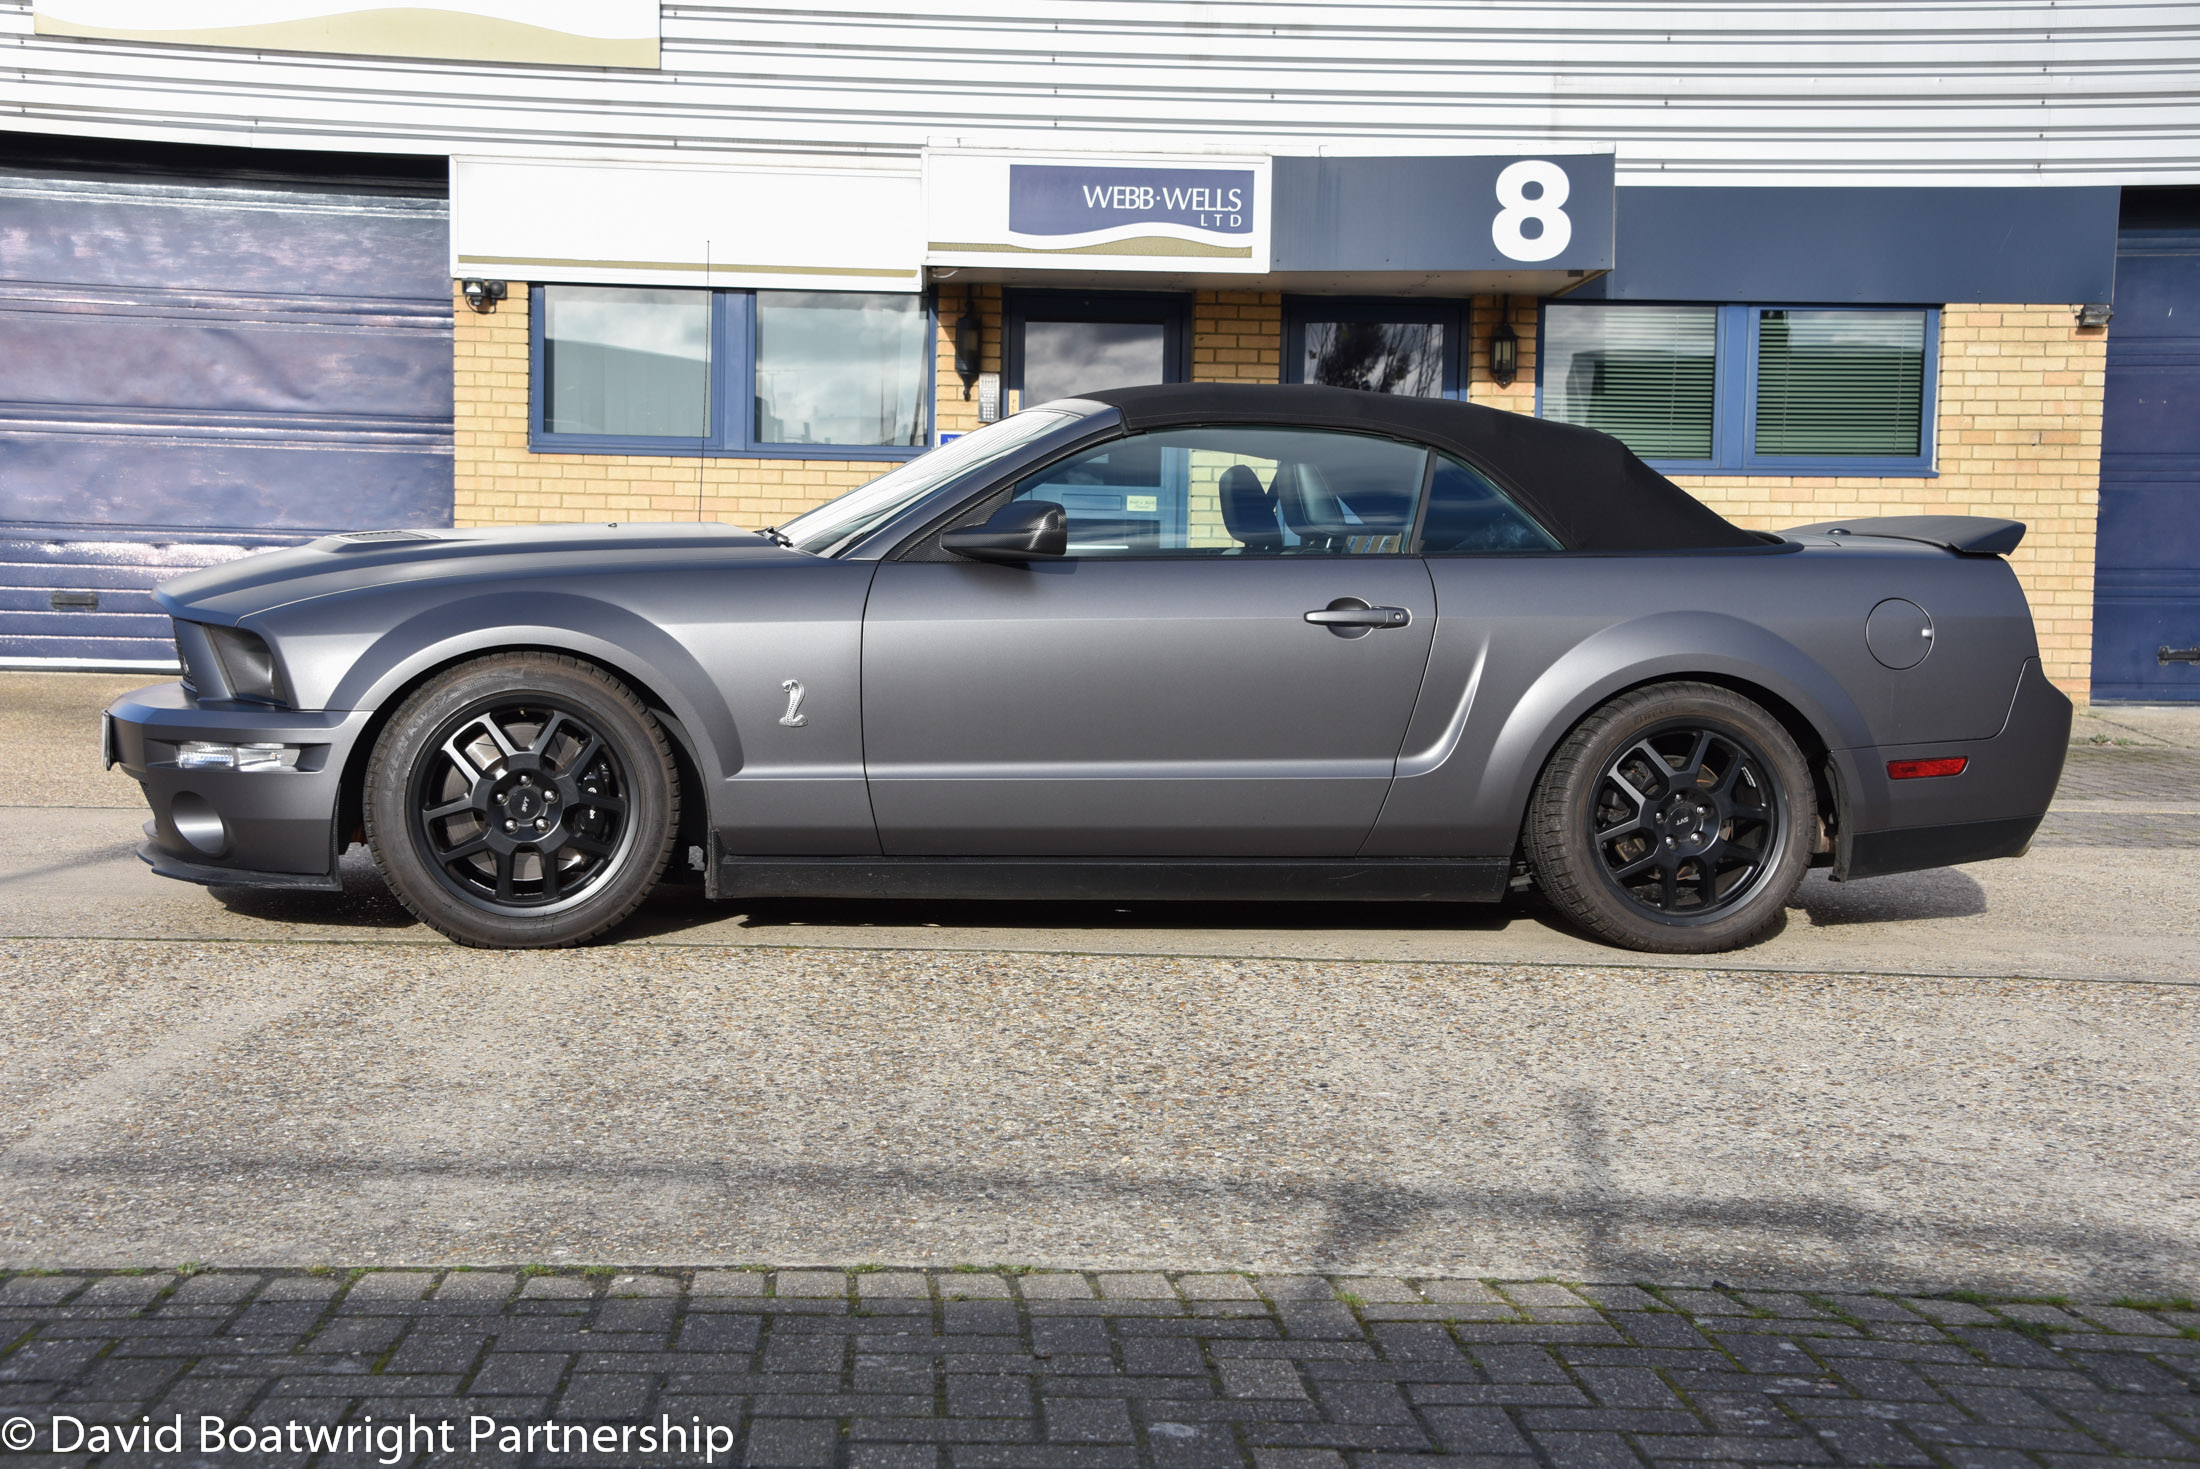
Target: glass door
<point x="1062" y="343"/>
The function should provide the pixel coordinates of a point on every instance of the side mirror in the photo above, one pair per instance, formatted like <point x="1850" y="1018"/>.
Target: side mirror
<point x="1020" y="531"/>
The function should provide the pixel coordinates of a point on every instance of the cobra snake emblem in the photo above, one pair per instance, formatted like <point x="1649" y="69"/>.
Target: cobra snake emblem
<point x="794" y="718"/>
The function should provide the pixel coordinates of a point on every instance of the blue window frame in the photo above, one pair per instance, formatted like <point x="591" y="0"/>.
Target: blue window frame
<point x="1415" y="346"/>
<point x="1761" y="389"/>
<point x="720" y="361"/>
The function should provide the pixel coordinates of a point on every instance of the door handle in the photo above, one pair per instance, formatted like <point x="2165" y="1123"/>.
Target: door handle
<point x="1351" y="612"/>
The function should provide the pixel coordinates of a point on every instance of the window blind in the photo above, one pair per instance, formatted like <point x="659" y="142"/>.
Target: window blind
<point x="1644" y="374"/>
<point x="1840" y="382"/>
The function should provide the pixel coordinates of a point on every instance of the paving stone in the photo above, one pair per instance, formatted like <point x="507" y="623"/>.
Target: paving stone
<point x="124" y="1290"/>
<point x="1378" y="1290"/>
<point x="1588" y="1450"/>
<point x="1216" y="1288"/>
<point x="1464" y="1292"/>
<point x="1088" y="1420"/>
<point x="728" y="1283"/>
<point x="1950" y="1313"/>
<point x="896" y="1285"/>
<point x="972" y="1286"/>
<point x="791" y="1443"/>
<point x="300" y="1288"/>
<point x="810" y="1284"/>
<point x="894" y="1456"/>
<point x="2122" y="1319"/>
<point x="39" y="1290"/>
<point x="643" y="1283"/>
<point x="221" y="1288"/>
<point x="1298" y="1459"/>
<point x="1136" y="1286"/>
<point x="1705" y="1303"/>
<point x="1257" y="1378"/>
<point x="2052" y="1317"/>
<point x="1054" y="1285"/>
<point x="1297" y="1288"/>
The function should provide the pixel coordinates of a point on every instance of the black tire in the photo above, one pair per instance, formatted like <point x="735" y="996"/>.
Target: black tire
<point x="1676" y="819"/>
<point x="521" y="801"/>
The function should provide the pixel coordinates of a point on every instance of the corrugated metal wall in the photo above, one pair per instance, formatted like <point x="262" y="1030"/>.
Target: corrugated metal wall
<point x="192" y="371"/>
<point x="2059" y="90"/>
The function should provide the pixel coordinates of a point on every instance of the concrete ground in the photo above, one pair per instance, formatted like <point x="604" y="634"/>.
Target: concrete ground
<point x="1979" y="1078"/>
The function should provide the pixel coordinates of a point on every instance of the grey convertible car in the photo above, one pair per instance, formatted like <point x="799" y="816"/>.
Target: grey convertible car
<point x="1185" y="641"/>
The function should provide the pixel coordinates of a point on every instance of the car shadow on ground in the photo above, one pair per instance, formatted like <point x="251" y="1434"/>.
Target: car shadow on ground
<point x="1943" y="892"/>
<point x="678" y="909"/>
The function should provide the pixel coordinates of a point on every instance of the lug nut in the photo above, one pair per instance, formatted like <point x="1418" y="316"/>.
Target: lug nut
<point x="511" y="826"/>
<point x="541" y="825"/>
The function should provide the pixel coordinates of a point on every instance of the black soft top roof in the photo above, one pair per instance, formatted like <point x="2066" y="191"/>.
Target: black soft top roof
<point x="1587" y="488"/>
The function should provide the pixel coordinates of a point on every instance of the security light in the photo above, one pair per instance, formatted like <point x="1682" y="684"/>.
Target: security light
<point x="2096" y="314"/>
<point x="1504" y="348"/>
<point x="969" y="348"/>
<point x="482" y="295"/>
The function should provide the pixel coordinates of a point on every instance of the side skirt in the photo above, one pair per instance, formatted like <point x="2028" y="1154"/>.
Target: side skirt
<point x="1045" y="879"/>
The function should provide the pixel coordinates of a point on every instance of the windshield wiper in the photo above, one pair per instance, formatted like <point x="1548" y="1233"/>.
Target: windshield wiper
<point x="777" y="536"/>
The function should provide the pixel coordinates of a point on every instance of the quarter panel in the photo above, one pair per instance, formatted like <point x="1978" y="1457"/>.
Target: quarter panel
<point x="1527" y="646"/>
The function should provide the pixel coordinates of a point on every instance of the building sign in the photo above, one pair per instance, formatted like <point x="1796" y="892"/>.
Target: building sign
<point x="538" y="32"/>
<point x="1023" y="211"/>
<point x="1458" y="214"/>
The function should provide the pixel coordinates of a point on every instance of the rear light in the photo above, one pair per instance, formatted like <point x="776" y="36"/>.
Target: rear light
<point x="1926" y="769"/>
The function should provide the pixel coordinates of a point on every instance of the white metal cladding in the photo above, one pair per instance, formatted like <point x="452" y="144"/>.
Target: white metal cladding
<point x="2081" y="91"/>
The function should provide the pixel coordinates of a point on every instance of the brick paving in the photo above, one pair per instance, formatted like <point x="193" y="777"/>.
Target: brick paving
<point x="993" y="1369"/>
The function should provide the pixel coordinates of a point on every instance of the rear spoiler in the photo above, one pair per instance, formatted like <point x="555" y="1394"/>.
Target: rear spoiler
<point x="1972" y="535"/>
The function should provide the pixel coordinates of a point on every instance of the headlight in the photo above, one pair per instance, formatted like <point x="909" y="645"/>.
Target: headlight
<point x="248" y="668"/>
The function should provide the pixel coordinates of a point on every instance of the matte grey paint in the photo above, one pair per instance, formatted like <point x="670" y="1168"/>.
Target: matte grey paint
<point x="1092" y="712"/>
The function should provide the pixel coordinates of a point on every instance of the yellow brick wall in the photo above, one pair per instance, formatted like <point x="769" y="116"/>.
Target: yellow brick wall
<point x="1237" y="337"/>
<point x="2019" y="436"/>
<point x="498" y="481"/>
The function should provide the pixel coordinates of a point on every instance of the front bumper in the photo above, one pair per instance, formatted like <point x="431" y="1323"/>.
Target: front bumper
<point x="1990" y="810"/>
<point x="256" y="828"/>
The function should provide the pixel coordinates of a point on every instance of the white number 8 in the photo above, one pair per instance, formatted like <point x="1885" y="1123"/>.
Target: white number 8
<point x="1511" y="192"/>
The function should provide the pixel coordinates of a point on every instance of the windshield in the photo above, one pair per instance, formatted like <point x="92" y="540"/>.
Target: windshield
<point x="837" y="524"/>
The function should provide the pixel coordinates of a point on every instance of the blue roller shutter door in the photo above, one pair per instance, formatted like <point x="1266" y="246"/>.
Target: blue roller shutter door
<point x="192" y="372"/>
<point x="2147" y="580"/>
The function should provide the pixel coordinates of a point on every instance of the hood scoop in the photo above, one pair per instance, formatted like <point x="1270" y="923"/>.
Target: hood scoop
<point x="360" y="540"/>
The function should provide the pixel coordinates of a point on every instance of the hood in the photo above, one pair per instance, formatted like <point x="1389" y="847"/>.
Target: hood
<point x="251" y="584"/>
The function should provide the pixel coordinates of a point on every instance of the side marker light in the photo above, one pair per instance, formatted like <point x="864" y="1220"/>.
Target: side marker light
<point x="1926" y="769"/>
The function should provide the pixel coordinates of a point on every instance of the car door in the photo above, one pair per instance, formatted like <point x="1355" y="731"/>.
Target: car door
<point x="1160" y="690"/>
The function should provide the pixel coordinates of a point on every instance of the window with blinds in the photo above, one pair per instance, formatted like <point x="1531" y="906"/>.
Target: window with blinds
<point x="1741" y="389"/>
<point x="1840" y="383"/>
<point x="1647" y="375"/>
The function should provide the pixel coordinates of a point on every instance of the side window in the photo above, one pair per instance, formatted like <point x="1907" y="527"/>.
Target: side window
<point x="1237" y="492"/>
<point x="1467" y="515"/>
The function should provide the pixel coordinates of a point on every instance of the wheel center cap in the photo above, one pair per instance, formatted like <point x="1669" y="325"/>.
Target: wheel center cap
<point x="523" y="804"/>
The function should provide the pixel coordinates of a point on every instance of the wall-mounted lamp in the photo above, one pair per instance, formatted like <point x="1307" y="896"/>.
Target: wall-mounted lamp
<point x="969" y="348"/>
<point x="1504" y="348"/>
<point x="482" y="295"/>
<point x="2097" y="314"/>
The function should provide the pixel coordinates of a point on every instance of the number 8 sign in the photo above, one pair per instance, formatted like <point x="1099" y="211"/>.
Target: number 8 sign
<point x="1517" y="208"/>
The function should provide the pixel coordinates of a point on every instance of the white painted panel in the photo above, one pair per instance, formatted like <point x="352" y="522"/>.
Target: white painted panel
<point x="1898" y="91"/>
<point x="786" y="227"/>
<point x="553" y="32"/>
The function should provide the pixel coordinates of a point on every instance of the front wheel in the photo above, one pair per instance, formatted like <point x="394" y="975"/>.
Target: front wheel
<point x="522" y="800"/>
<point x="1675" y="819"/>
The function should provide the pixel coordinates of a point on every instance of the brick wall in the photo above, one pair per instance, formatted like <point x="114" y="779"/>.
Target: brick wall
<point x="2019" y="436"/>
<point x="1237" y="337"/>
<point x="498" y="481"/>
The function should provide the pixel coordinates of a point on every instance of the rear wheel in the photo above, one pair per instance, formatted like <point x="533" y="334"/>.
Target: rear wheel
<point x="523" y="800"/>
<point x="1675" y="819"/>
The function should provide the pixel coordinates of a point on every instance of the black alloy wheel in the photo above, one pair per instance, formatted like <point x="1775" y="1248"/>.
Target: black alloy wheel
<point x="1686" y="821"/>
<point x="522" y="800"/>
<point x="1677" y="818"/>
<point x="521" y="806"/>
